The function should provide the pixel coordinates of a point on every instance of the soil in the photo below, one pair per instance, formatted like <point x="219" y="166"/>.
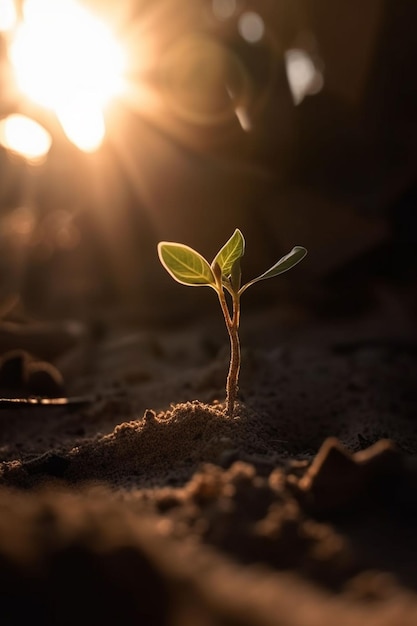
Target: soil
<point x="138" y="501"/>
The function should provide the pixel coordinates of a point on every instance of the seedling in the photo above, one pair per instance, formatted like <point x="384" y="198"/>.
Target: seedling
<point x="188" y="267"/>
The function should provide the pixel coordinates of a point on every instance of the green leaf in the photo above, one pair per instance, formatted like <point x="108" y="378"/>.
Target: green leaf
<point x="236" y="276"/>
<point x="185" y="265"/>
<point x="231" y="252"/>
<point x="288" y="261"/>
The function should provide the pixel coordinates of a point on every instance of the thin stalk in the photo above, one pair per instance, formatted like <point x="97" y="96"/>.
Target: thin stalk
<point x="232" y="324"/>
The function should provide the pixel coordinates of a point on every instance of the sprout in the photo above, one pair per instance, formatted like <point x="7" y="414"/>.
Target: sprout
<point x="188" y="267"/>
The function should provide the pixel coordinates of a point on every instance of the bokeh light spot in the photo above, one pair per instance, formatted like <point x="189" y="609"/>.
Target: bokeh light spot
<point x="25" y="137"/>
<point x="251" y="27"/>
<point x="19" y="223"/>
<point x="223" y="9"/>
<point x="303" y="76"/>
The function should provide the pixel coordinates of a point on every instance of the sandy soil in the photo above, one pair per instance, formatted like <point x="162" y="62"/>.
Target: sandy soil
<point x="140" y="502"/>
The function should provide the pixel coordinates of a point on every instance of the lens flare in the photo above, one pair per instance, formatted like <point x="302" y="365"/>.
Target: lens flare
<point x="203" y="81"/>
<point x="62" y="54"/>
<point x="25" y="137"/>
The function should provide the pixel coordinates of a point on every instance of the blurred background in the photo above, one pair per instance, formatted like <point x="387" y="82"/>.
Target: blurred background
<point x="123" y="123"/>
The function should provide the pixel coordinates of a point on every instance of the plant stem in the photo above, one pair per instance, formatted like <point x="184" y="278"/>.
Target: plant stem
<point x="232" y="386"/>
<point x="232" y="324"/>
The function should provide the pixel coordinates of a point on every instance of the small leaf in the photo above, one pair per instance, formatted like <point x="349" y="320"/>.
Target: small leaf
<point x="185" y="265"/>
<point x="288" y="261"/>
<point x="236" y="275"/>
<point x="232" y="250"/>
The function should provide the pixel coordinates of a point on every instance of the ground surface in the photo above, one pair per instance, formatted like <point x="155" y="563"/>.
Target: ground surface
<point x="141" y="503"/>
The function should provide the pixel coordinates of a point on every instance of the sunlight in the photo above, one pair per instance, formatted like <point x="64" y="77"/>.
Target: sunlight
<point x="83" y="123"/>
<point x="7" y="15"/>
<point x="25" y="137"/>
<point x="62" y="54"/>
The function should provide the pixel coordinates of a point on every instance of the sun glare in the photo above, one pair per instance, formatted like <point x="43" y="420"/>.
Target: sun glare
<point x="25" y="137"/>
<point x="83" y="122"/>
<point x="7" y="15"/>
<point x="61" y="54"/>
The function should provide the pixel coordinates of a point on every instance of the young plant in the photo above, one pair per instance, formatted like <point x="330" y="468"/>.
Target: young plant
<point x="188" y="267"/>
